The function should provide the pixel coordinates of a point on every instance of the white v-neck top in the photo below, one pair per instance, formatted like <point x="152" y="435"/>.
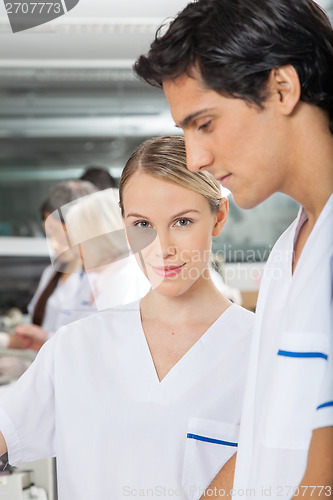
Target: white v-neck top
<point x="289" y="389"/>
<point x="93" y="398"/>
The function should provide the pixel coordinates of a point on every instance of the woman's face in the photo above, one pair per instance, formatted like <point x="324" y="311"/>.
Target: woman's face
<point x="174" y="227"/>
<point x="56" y="234"/>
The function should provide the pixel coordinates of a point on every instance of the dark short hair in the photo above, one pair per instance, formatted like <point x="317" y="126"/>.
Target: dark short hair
<point x="235" y="43"/>
<point x="64" y="193"/>
<point x="100" y="177"/>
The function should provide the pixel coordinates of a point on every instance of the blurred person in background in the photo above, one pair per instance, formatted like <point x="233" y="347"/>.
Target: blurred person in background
<point x="99" y="177"/>
<point x="96" y="225"/>
<point x="63" y="285"/>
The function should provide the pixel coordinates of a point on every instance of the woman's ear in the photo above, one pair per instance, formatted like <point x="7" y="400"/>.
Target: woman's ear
<point x="221" y="217"/>
<point x="285" y="85"/>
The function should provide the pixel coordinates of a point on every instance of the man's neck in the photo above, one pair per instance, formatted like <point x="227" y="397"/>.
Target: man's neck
<point x="310" y="181"/>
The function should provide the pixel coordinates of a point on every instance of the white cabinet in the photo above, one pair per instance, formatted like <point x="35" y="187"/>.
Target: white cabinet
<point x="17" y="486"/>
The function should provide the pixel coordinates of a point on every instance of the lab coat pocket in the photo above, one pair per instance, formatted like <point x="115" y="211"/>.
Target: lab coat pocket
<point x="209" y="445"/>
<point x="292" y="393"/>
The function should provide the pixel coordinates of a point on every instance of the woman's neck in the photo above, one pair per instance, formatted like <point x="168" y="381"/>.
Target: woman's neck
<point x="69" y="268"/>
<point x="201" y="302"/>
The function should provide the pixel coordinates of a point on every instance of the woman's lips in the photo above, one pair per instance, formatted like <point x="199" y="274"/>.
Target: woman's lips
<point x="167" y="271"/>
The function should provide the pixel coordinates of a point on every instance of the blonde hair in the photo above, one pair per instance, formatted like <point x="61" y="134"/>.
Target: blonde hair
<point x="165" y="158"/>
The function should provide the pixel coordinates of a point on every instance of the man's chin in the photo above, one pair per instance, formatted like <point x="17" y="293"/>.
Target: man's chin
<point x="245" y="203"/>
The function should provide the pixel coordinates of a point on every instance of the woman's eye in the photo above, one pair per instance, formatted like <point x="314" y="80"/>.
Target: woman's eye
<point x="183" y="222"/>
<point x="142" y="223"/>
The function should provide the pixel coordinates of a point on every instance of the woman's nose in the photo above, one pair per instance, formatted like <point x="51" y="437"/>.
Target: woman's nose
<point x="164" y="246"/>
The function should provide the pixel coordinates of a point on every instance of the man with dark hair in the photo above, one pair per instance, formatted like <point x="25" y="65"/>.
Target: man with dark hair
<point x="99" y="177"/>
<point x="250" y="82"/>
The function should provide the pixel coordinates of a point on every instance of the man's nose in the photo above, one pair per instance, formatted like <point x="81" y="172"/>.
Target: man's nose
<point x="197" y="156"/>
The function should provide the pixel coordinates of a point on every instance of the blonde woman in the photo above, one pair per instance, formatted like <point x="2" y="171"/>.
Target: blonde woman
<point x="150" y="392"/>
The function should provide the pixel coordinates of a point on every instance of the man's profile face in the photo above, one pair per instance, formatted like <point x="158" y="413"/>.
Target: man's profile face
<point x="241" y="145"/>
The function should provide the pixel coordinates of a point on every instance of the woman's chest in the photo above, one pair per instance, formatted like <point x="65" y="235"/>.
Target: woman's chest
<point x="168" y="344"/>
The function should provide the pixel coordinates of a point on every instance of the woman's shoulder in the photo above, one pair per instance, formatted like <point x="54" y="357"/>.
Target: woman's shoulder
<point x="241" y="313"/>
<point x="239" y="319"/>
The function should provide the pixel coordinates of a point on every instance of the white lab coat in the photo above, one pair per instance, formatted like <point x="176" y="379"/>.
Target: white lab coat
<point x="70" y="299"/>
<point x="290" y="384"/>
<point x="83" y="294"/>
<point x="92" y="398"/>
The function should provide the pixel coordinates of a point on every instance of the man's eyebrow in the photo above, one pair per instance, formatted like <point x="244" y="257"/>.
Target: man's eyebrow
<point x="184" y="123"/>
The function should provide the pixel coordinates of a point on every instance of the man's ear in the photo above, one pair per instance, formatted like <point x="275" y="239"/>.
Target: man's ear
<point x="221" y="216"/>
<point x="284" y="84"/>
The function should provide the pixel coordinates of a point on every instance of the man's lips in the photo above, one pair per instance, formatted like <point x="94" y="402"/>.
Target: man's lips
<point x="168" y="270"/>
<point x="224" y="179"/>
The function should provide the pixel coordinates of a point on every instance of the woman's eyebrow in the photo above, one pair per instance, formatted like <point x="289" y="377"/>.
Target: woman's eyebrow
<point x="137" y="215"/>
<point x="183" y="212"/>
